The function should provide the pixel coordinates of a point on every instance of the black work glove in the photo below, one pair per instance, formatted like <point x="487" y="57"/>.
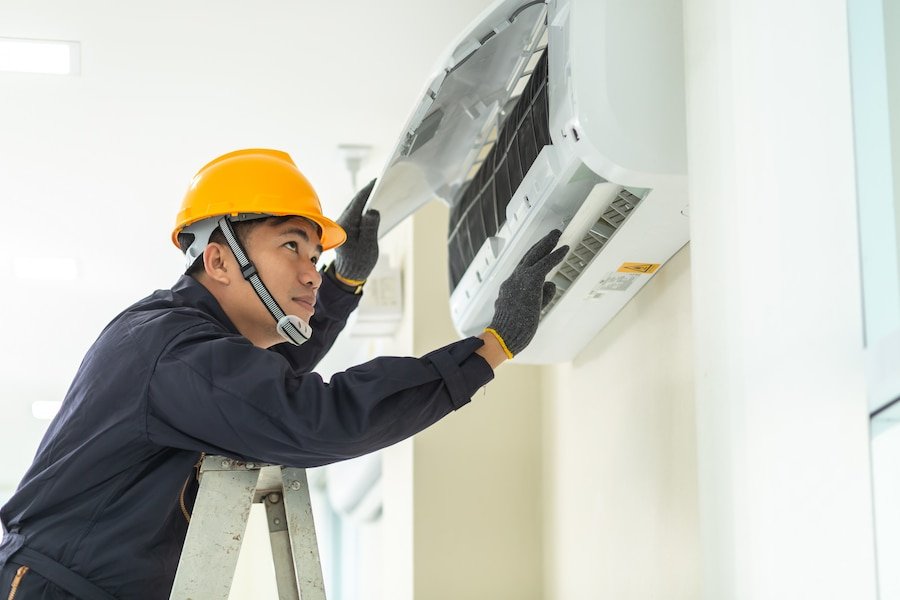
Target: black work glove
<point x="355" y="258"/>
<point x="524" y="294"/>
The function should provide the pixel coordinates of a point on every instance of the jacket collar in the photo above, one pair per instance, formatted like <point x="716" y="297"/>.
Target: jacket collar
<point x="193" y="293"/>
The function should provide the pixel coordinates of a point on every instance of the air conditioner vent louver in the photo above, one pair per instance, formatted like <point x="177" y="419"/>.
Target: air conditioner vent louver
<point x="581" y="254"/>
<point x="480" y="211"/>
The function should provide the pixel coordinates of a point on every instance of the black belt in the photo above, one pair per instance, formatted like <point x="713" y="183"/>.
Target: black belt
<point x="59" y="575"/>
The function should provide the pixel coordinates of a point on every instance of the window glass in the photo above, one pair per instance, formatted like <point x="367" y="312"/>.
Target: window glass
<point x="875" y="73"/>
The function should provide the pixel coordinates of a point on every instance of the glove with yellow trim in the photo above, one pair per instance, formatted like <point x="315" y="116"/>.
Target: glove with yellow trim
<point x="355" y="258"/>
<point x="524" y="294"/>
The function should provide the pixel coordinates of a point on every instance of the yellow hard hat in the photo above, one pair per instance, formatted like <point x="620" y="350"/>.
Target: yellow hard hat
<point x="255" y="181"/>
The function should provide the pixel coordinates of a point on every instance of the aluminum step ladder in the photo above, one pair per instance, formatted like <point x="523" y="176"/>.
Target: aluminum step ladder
<point x="227" y="490"/>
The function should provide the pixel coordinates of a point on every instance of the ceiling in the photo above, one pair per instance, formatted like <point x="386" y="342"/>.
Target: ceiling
<point x="93" y="166"/>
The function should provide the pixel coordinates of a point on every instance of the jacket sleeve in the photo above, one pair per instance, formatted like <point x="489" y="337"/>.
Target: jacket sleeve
<point x="333" y="307"/>
<point x="222" y="395"/>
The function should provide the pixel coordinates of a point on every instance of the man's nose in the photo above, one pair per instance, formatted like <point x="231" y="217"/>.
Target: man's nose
<point x="310" y="276"/>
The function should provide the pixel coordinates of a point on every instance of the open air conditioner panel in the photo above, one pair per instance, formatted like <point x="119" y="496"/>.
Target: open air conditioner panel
<point x="458" y="118"/>
<point x="480" y="210"/>
<point x="562" y="115"/>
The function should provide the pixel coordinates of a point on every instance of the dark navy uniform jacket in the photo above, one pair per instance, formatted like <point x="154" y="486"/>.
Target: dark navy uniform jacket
<point x="170" y="378"/>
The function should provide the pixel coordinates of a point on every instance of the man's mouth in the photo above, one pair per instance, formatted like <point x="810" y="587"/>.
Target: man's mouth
<point x="307" y="303"/>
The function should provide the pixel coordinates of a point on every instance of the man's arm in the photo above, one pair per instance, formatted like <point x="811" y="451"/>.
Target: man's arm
<point x="216" y="392"/>
<point x="220" y="394"/>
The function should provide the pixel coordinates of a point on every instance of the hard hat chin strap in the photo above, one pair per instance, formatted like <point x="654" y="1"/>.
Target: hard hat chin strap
<point x="291" y="327"/>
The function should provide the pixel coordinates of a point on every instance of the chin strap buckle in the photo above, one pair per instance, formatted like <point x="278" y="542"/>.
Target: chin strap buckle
<point x="293" y="329"/>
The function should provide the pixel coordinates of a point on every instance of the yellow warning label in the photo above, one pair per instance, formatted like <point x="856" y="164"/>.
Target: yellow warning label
<point x="648" y="268"/>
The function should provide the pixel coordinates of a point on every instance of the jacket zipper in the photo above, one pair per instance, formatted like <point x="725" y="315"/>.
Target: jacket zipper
<point x="17" y="580"/>
<point x="184" y="511"/>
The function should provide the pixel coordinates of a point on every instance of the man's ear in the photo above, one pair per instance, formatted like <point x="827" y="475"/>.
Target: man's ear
<point x="216" y="264"/>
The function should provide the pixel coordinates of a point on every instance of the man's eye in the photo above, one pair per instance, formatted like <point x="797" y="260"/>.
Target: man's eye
<point x="292" y="246"/>
<point x="315" y="260"/>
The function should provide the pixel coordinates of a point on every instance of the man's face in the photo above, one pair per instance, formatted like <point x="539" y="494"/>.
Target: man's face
<point x="286" y="256"/>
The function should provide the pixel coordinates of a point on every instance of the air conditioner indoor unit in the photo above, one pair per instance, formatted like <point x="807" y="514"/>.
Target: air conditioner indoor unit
<point x="564" y="114"/>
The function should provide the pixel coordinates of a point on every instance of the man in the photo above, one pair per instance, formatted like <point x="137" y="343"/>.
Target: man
<point x="221" y="364"/>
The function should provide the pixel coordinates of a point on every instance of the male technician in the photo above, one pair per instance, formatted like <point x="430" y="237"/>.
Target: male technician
<point x="221" y="364"/>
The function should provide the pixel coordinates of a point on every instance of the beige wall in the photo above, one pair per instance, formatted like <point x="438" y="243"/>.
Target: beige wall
<point x="621" y="517"/>
<point x="477" y="490"/>
<point x="572" y="481"/>
<point x="477" y="500"/>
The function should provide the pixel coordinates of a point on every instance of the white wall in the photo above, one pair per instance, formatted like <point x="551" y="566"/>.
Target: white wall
<point x="781" y="408"/>
<point x="620" y="454"/>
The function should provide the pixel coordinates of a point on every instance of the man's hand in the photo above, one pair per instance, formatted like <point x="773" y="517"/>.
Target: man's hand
<point x="524" y="294"/>
<point x="355" y="258"/>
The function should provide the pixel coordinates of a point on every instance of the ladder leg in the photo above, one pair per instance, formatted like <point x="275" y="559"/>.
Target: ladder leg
<point x="281" y="547"/>
<point x="302" y="531"/>
<point x="216" y="531"/>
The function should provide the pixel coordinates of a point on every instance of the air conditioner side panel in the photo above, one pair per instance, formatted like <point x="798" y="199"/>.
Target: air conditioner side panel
<point x="654" y="232"/>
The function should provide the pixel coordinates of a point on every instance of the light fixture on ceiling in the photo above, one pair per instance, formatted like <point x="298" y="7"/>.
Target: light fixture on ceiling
<point x="354" y="156"/>
<point x="53" y="57"/>
<point x="45" y="268"/>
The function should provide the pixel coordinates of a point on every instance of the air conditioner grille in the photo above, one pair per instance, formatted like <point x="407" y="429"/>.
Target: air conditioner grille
<point x="481" y="209"/>
<point x="583" y="252"/>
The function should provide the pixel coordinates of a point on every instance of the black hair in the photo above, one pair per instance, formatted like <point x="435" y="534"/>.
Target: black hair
<point x="241" y="231"/>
